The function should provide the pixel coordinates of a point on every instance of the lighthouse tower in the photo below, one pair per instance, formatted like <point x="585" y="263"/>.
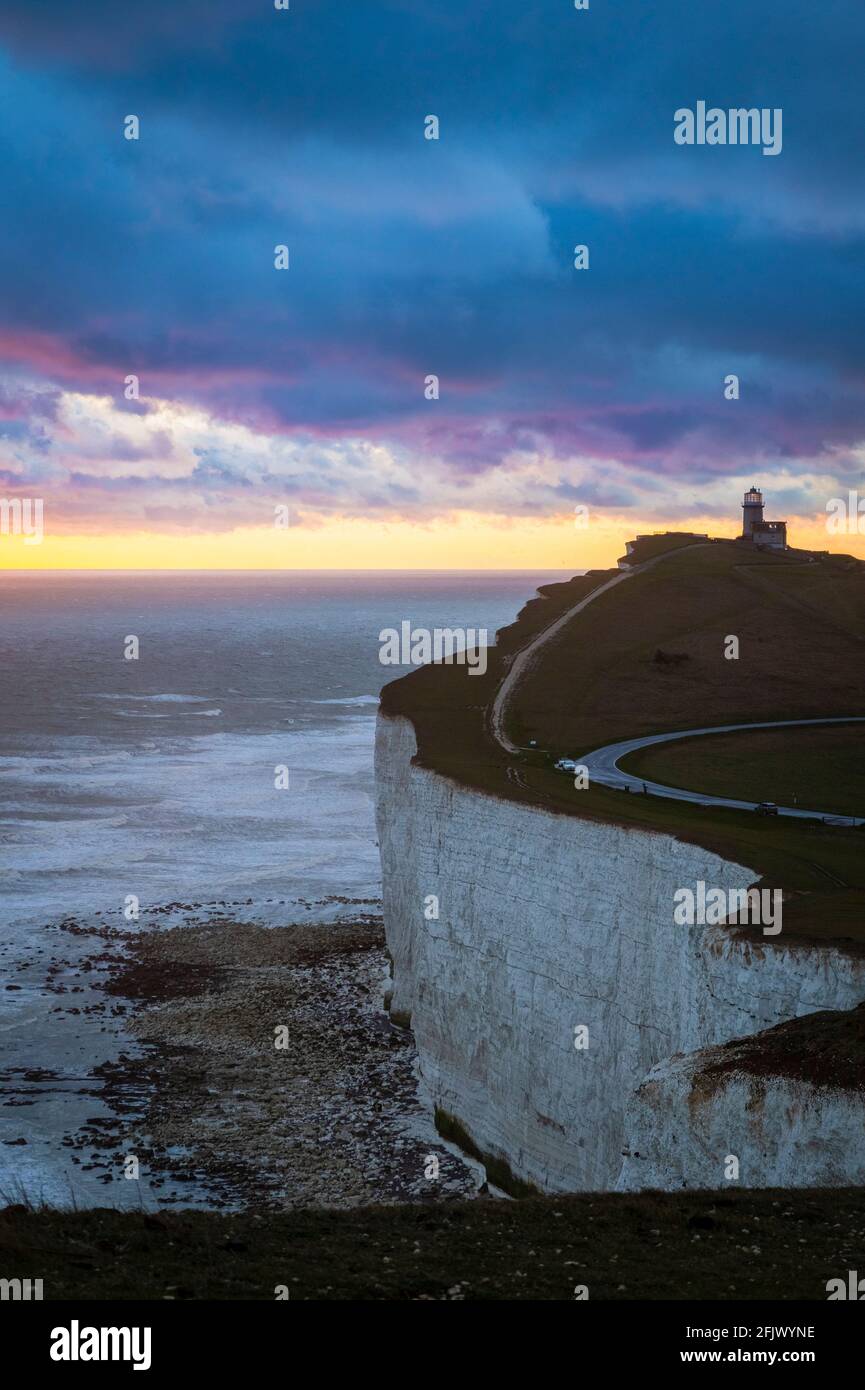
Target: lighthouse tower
<point x="752" y="512"/>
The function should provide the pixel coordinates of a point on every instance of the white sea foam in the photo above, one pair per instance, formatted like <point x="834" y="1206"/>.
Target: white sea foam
<point x="197" y="818"/>
<point x="349" y="700"/>
<point x="156" y="699"/>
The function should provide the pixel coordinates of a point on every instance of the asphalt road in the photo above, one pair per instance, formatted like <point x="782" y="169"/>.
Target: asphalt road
<point x="528" y="655"/>
<point x="603" y="767"/>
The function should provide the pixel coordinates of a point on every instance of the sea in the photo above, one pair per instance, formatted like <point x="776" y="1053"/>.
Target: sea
<point x="228" y="765"/>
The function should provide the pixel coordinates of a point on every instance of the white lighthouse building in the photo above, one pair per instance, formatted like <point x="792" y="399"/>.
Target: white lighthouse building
<point x="766" y="534"/>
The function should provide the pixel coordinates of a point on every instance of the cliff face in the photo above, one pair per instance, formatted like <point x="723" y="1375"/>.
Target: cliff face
<point x="548" y="924"/>
<point x="780" y="1130"/>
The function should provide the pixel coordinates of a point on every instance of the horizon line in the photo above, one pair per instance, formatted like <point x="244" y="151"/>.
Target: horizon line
<point x="317" y="569"/>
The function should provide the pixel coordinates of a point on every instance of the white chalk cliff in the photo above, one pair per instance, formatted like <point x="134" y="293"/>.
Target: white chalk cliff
<point x="548" y="923"/>
<point x="781" y="1130"/>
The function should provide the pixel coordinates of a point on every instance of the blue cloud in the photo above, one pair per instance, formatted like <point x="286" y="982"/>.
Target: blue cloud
<point x="455" y="257"/>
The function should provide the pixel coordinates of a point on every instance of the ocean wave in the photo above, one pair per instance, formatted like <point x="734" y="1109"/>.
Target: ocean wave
<point x="152" y="714"/>
<point x="34" y="764"/>
<point x="140" y="714"/>
<point x="157" y="699"/>
<point x="348" y="700"/>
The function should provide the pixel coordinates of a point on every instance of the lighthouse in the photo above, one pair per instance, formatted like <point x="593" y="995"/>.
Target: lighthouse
<point x="752" y="511"/>
<point x="770" y="535"/>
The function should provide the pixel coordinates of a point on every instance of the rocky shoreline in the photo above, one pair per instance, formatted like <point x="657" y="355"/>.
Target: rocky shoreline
<point x="266" y="1071"/>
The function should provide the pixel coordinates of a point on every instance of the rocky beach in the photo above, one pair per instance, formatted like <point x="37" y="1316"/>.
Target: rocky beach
<point x="243" y="1065"/>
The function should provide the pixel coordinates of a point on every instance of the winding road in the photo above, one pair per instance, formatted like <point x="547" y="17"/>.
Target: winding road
<point x="602" y="764"/>
<point x="603" y="767"/>
<point x="527" y="656"/>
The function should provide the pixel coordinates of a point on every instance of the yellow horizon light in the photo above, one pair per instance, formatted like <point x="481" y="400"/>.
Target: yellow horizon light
<point x="465" y="542"/>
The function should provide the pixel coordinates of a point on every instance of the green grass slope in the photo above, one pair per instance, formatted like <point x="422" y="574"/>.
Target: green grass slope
<point x="648" y="656"/>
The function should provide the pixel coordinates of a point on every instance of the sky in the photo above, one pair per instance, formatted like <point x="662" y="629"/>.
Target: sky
<point x="299" y="394"/>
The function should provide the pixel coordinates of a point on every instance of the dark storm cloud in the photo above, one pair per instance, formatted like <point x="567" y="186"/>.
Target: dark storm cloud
<point x="411" y="257"/>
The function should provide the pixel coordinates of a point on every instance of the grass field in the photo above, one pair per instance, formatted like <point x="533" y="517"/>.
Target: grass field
<point x="710" y="1245"/>
<point x="820" y="769"/>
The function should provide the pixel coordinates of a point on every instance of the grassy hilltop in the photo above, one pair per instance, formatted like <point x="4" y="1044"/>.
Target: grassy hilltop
<point x="648" y="657"/>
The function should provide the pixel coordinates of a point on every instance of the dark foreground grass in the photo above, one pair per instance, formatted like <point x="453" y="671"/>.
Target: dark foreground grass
<point x="713" y="1246"/>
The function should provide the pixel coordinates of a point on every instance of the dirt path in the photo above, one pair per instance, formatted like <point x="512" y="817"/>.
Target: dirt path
<point x="527" y="657"/>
